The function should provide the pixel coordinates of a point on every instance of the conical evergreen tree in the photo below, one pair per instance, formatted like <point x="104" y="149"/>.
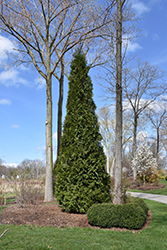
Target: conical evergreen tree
<point x="81" y="179"/>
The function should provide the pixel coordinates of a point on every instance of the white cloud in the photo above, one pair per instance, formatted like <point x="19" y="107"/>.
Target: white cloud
<point x="12" y="78"/>
<point x="139" y="7"/>
<point x="5" y="102"/>
<point x="156" y="37"/>
<point x="16" y="126"/>
<point x="41" y="149"/>
<point x="22" y="67"/>
<point x="6" y="46"/>
<point x="40" y="81"/>
<point x="158" y="105"/>
<point x="13" y="165"/>
<point x="127" y="105"/>
<point x="8" y="75"/>
<point x="55" y="136"/>
<point x="163" y="97"/>
<point x="130" y="45"/>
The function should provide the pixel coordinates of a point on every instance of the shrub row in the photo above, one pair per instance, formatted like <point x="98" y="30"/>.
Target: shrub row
<point x="131" y="215"/>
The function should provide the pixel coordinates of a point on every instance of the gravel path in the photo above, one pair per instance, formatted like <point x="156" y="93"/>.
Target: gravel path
<point x="154" y="197"/>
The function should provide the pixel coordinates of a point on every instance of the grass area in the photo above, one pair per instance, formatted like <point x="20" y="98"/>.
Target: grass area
<point x="40" y="238"/>
<point x="162" y="191"/>
<point x="10" y="200"/>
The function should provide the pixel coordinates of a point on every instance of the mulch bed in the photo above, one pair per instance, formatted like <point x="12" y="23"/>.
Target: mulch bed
<point x="52" y="215"/>
<point x="49" y="215"/>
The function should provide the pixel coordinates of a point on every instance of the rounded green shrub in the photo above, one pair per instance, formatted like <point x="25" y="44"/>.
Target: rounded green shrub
<point x="131" y="215"/>
<point x="141" y="203"/>
<point x="103" y="215"/>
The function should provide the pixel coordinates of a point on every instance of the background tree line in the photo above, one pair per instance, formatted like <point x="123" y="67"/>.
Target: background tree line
<point x="27" y="169"/>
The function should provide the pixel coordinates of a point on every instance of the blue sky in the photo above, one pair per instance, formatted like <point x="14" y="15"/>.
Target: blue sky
<point x="22" y="95"/>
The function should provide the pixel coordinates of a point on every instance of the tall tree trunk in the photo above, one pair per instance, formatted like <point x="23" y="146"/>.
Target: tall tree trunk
<point x="134" y="144"/>
<point x="118" y="169"/>
<point x="49" y="152"/>
<point x="60" y="107"/>
<point x="157" y="145"/>
<point x="108" y="161"/>
<point x="144" y="180"/>
<point x="112" y="167"/>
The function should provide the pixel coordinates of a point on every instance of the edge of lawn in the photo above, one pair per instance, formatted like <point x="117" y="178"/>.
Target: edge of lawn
<point x="162" y="191"/>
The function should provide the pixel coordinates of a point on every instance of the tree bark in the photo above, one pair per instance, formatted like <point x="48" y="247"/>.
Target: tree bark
<point x="49" y="150"/>
<point x="108" y="161"/>
<point x="112" y="167"/>
<point x="60" y="107"/>
<point x="134" y="144"/>
<point x="157" y="145"/>
<point x="118" y="169"/>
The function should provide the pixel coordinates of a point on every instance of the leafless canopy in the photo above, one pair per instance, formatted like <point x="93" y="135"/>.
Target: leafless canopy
<point x="53" y="25"/>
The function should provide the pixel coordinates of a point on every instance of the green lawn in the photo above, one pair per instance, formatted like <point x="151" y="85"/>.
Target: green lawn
<point x="162" y="191"/>
<point x="34" y="238"/>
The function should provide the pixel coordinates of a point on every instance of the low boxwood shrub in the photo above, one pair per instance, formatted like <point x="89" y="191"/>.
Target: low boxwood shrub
<point x="140" y="202"/>
<point x="103" y="215"/>
<point x="131" y="215"/>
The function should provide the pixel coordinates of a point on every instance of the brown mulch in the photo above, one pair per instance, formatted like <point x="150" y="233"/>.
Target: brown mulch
<point x="49" y="215"/>
<point x="42" y="215"/>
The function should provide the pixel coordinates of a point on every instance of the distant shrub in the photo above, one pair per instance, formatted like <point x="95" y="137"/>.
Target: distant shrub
<point x="161" y="174"/>
<point x="131" y="215"/>
<point x="139" y="182"/>
<point x="28" y="192"/>
<point x="151" y="175"/>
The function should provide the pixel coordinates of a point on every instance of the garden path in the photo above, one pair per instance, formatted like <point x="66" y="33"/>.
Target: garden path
<point x="154" y="197"/>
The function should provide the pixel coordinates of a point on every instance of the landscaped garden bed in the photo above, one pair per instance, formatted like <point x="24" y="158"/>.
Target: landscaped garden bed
<point x="47" y="215"/>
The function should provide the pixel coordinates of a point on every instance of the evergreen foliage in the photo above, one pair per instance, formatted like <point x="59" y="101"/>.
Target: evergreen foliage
<point x="81" y="179"/>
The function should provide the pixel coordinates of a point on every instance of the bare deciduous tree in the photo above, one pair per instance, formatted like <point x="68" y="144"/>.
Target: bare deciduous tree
<point x="163" y="136"/>
<point x="157" y="114"/>
<point x="45" y="31"/>
<point x="142" y="86"/>
<point x="107" y="129"/>
<point x="113" y="78"/>
<point x="31" y="169"/>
